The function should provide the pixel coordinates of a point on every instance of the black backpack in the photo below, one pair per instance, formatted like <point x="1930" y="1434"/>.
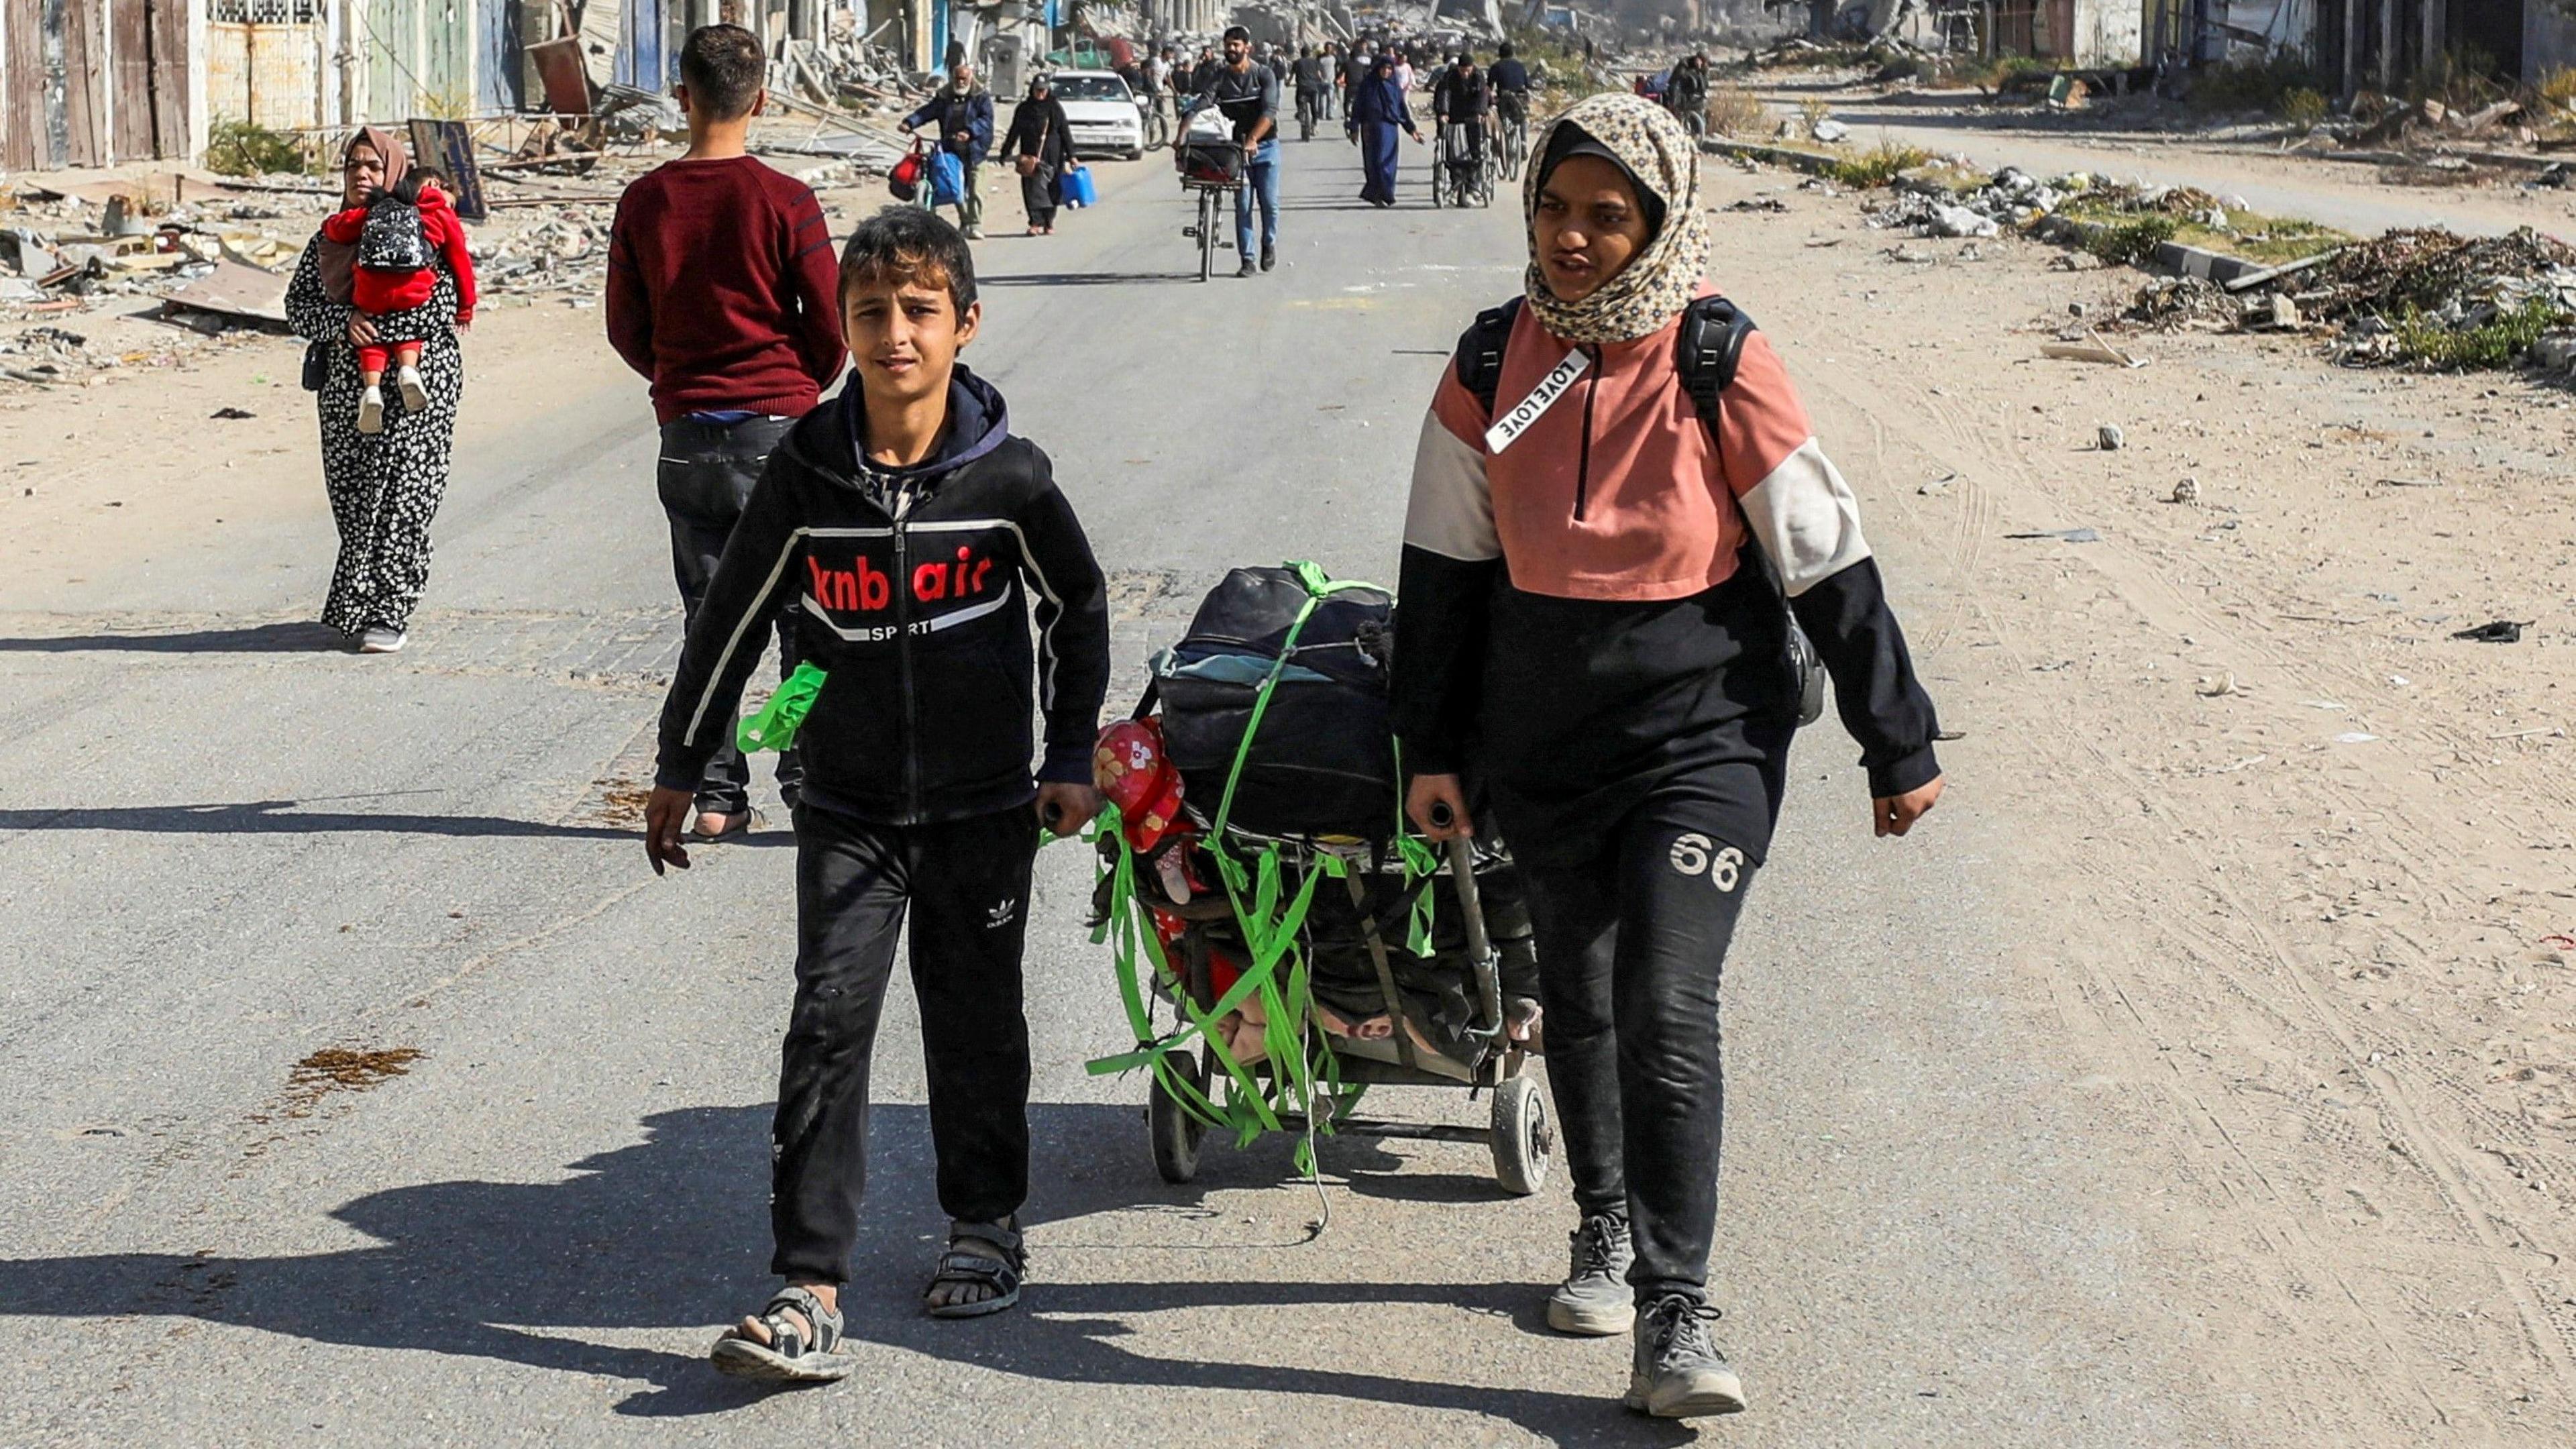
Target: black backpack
<point x="1707" y="348"/>
<point x="393" y="239"/>
<point x="1323" y="760"/>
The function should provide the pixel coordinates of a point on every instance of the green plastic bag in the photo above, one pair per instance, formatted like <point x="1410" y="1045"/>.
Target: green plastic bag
<point x="774" y="728"/>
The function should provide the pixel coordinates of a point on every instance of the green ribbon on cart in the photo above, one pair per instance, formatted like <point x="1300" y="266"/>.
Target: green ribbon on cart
<point x="1302" y="1070"/>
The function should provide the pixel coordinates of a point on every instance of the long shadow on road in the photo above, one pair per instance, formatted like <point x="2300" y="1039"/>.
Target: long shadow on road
<point x="288" y="638"/>
<point x="668" y="1234"/>
<point x="284" y="817"/>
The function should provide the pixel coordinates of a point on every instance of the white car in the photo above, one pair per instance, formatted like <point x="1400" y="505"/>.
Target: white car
<point x="1101" y="112"/>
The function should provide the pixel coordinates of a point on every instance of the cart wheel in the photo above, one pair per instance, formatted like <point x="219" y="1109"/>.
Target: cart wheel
<point x="1173" y="1132"/>
<point x="1523" y="1137"/>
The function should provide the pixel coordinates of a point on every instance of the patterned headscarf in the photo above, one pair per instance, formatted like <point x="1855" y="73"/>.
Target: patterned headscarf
<point x="339" y="261"/>
<point x="1658" y="282"/>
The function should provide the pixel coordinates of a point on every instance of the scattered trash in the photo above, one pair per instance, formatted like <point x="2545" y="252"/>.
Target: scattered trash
<point x="1935" y="488"/>
<point x="2354" y="737"/>
<point x="2095" y="351"/>
<point x="2186" y="491"/>
<point x="2499" y="631"/>
<point x="1759" y="203"/>
<point x="231" y="289"/>
<point x="2108" y="437"/>
<point x="2437" y="299"/>
<point x="1829" y="131"/>
<point x="233" y="413"/>
<point x="1959" y="221"/>
<point x="2069" y="535"/>
<point x="2213" y="686"/>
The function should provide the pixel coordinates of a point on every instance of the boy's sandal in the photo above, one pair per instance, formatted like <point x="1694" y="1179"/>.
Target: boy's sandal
<point x="806" y="1353"/>
<point x="966" y="1265"/>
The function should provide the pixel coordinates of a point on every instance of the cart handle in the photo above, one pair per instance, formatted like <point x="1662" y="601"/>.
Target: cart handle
<point x="1480" y="948"/>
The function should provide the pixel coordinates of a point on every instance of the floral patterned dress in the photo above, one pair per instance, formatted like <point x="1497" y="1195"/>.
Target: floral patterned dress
<point x="384" y="487"/>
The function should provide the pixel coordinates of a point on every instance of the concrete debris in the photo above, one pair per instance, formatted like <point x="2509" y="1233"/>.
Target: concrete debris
<point x="2108" y="438"/>
<point x="2432" y="277"/>
<point x="1959" y="221"/>
<point x="2180" y="304"/>
<point x="1830" y="131"/>
<point x="2011" y="197"/>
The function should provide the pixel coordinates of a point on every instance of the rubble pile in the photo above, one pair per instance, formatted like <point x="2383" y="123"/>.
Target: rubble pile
<point x="2457" y="280"/>
<point x="2378" y="122"/>
<point x="2010" y="198"/>
<point x="2424" y="298"/>
<point x="2431" y="297"/>
<point x="566" y="252"/>
<point x="2178" y="304"/>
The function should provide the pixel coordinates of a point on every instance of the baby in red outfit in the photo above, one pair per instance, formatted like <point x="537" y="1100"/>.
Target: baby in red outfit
<point x="395" y="233"/>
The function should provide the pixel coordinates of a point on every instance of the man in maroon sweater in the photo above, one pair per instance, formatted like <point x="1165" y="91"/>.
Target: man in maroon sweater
<point x="721" y="292"/>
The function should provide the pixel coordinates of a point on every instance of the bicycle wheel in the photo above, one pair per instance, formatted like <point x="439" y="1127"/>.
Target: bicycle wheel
<point x="1207" y="233"/>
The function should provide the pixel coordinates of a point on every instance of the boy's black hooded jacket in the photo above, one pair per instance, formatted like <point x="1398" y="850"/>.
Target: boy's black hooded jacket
<point x="911" y="589"/>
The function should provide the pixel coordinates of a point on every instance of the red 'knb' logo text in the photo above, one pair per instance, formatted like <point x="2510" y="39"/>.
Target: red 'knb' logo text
<point x="865" y="588"/>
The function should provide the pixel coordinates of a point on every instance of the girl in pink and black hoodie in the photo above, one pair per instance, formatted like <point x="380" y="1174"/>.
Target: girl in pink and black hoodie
<point x="1590" y="634"/>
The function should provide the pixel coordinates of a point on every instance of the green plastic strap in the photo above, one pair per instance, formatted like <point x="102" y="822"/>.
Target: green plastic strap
<point x="1302" y="1069"/>
<point x="775" y="726"/>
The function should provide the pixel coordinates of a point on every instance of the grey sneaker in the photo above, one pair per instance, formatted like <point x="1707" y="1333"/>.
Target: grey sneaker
<point x="1594" y="1300"/>
<point x="1679" y="1373"/>
<point x="382" y="641"/>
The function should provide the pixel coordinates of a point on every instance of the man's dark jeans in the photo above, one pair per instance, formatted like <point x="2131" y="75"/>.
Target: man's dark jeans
<point x="706" y="475"/>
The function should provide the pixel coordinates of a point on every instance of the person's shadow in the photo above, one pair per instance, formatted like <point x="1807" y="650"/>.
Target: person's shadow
<point x="669" y="1233"/>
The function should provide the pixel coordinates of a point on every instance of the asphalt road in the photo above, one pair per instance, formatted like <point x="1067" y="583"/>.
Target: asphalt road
<point x="223" y="849"/>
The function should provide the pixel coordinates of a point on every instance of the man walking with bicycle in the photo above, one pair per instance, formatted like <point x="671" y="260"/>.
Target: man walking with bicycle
<point x="1248" y="95"/>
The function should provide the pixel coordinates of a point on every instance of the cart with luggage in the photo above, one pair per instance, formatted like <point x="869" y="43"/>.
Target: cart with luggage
<point x="1284" y="942"/>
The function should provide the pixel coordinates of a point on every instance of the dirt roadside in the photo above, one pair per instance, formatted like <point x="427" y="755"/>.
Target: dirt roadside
<point x="2292" y="858"/>
<point x="2271" y="178"/>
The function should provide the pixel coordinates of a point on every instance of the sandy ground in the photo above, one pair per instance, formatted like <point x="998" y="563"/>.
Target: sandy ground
<point x="2309" y="928"/>
<point x="2270" y="178"/>
<point x="2286" y="865"/>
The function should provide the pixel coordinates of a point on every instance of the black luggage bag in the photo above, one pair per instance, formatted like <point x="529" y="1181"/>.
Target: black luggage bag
<point x="1322" y="762"/>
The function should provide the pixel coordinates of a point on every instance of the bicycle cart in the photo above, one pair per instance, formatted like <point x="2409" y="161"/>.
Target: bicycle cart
<point x="1211" y="171"/>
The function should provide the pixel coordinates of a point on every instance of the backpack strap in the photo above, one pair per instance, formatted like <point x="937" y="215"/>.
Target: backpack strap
<point x="1480" y="352"/>
<point x="1707" y="348"/>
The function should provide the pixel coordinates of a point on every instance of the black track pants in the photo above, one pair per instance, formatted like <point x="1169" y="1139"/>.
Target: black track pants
<point x="1630" y="947"/>
<point x="966" y="883"/>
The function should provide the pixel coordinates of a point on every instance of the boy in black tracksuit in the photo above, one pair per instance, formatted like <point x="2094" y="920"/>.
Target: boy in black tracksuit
<point x="912" y="537"/>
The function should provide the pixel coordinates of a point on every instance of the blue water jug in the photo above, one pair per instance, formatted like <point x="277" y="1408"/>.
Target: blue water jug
<point x="1078" y="190"/>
